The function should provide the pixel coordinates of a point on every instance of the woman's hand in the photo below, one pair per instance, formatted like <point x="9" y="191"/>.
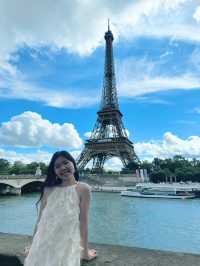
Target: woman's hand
<point x="89" y="255"/>
<point x="26" y="250"/>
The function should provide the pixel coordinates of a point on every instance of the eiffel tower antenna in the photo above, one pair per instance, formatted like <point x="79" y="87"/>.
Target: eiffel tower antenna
<point x="109" y="137"/>
<point x="108" y="24"/>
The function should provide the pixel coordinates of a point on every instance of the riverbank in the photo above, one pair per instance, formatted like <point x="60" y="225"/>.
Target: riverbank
<point x="108" y="189"/>
<point x="12" y="245"/>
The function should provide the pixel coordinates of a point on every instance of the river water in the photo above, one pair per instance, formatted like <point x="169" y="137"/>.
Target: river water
<point x="163" y="224"/>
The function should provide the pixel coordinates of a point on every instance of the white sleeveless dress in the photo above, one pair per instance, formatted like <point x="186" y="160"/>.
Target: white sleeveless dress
<point x="57" y="239"/>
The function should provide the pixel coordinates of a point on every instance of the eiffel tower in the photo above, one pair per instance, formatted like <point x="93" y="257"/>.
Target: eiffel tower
<point x="109" y="137"/>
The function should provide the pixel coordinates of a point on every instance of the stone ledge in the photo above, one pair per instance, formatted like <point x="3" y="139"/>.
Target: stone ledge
<point x="12" y="245"/>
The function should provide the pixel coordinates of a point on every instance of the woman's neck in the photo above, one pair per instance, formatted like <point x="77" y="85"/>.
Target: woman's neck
<point x="68" y="182"/>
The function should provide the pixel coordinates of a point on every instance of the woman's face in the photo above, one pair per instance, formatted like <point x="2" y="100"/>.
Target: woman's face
<point x="63" y="168"/>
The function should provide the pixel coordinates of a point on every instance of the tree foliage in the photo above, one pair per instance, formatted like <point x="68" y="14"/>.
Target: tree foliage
<point x="177" y="168"/>
<point x="19" y="168"/>
<point x="159" y="170"/>
<point x="4" y="166"/>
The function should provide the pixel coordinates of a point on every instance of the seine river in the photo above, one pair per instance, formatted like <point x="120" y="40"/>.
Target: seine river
<point x="150" y="223"/>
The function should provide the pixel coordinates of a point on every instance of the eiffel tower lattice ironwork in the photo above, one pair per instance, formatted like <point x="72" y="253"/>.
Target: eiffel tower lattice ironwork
<point x="109" y="137"/>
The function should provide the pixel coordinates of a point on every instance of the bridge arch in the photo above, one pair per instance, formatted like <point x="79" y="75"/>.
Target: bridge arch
<point x="33" y="186"/>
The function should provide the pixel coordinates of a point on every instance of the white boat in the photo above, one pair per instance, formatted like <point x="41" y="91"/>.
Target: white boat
<point x="159" y="191"/>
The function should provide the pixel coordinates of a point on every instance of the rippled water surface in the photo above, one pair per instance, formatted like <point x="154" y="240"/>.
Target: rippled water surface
<point x="151" y="223"/>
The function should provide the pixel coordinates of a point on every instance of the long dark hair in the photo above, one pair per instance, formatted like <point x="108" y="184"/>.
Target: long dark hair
<point x="51" y="179"/>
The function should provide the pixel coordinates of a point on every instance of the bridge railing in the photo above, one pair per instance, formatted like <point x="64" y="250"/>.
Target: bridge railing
<point x="25" y="176"/>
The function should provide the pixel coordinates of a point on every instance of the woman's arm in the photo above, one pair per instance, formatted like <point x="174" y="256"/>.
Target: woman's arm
<point x="84" y="212"/>
<point x="42" y="206"/>
<point x="86" y="254"/>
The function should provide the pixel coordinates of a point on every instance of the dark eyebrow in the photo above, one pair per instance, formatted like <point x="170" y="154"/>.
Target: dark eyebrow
<point x="64" y="160"/>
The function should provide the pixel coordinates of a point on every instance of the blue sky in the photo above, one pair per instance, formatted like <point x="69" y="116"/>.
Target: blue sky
<point x="51" y="75"/>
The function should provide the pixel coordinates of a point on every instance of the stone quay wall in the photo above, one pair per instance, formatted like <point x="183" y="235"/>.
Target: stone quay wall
<point x="12" y="245"/>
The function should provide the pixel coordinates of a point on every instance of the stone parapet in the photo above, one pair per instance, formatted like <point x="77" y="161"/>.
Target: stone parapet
<point x="12" y="245"/>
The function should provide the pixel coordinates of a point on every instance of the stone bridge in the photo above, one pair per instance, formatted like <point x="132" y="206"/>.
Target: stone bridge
<point x="19" y="184"/>
<point x="16" y="184"/>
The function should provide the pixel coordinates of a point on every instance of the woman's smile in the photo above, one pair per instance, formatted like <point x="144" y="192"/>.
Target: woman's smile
<point x="63" y="168"/>
<point x="65" y="172"/>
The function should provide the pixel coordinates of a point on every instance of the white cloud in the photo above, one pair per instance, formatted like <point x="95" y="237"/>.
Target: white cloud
<point x="166" y="54"/>
<point x="196" y="110"/>
<point x="113" y="164"/>
<point x="152" y="100"/>
<point x="66" y="25"/>
<point x="14" y="86"/>
<point x="72" y="25"/>
<point x="29" y="129"/>
<point x="127" y="132"/>
<point x="187" y="122"/>
<point x="37" y="156"/>
<point x="88" y="134"/>
<point x="169" y="146"/>
<point x="75" y="153"/>
<point x="194" y="60"/>
<point x="140" y="77"/>
<point x="161" y="18"/>
<point x="130" y="88"/>
<point x="196" y="15"/>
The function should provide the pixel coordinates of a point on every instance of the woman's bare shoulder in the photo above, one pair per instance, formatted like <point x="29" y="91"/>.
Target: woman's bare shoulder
<point x="83" y="188"/>
<point x="48" y="191"/>
<point x="83" y="185"/>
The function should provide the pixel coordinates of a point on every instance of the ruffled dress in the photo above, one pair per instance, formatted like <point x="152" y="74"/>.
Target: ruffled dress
<point x="57" y="239"/>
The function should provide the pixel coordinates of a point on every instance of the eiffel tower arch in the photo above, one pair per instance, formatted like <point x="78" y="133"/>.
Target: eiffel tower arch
<point x="109" y="137"/>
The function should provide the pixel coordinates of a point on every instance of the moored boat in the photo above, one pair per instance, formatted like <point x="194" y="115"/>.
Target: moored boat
<point x="159" y="191"/>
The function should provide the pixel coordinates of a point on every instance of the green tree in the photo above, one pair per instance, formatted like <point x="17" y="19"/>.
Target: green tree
<point x="17" y="168"/>
<point x="167" y="173"/>
<point x="157" y="164"/>
<point x="43" y="168"/>
<point x="158" y="176"/>
<point x="131" y="167"/>
<point x="146" y="165"/>
<point x="179" y="173"/>
<point x="4" y="166"/>
<point x="31" y="168"/>
<point x="196" y="175"/>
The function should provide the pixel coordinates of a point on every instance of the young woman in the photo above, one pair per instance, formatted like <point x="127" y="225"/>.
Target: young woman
<point x="61" y="233"/>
